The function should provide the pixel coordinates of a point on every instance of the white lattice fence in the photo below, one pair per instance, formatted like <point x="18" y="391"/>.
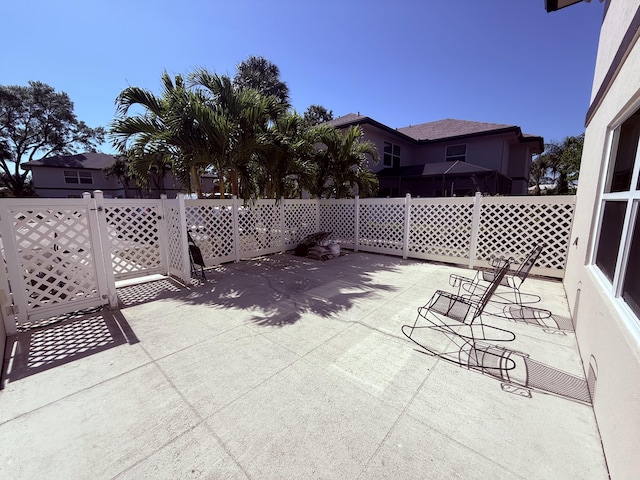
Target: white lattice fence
<point x="338" y="216"/>
<point x="260" y="228"/>
<point x="511" y="226"/>
<point x="381" y="225"/>
<point x="134" y="237"/>
<point x="49" y="250"/>
<point x="176" y="249"/>
<point x="440" y="229"/>
<point x="300" y="220"/>
<point x="211" y="224"/>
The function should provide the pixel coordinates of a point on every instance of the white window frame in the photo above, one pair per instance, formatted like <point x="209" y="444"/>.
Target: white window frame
<point x="76" y="174"/>
<point x="455" y="158"/>
<point x="613" y="288"/>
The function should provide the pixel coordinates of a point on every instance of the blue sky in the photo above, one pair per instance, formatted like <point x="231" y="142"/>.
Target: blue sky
<point x="400" y="62"/>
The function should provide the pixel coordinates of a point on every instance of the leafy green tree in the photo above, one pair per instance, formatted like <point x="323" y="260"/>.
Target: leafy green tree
<point x="36" y="122"/>
<point x="316" y="114"/>
<point x="260" y="74"/>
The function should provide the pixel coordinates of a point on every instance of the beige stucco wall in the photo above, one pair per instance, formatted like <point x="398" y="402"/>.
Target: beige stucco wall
<point x="606" y="333"/>
<point x="495" y="152"/>
<point x="378" y="137"/>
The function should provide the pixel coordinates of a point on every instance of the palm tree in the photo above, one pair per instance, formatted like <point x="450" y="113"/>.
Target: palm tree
<point x="177" y="128"/>
<point x="120" y="169"/>
<point x="537" y="171"/>
<point x="288" y="158"/>
<point x="258" y="73"/>
<point x="246" y="114"/>
<point x="343" y="163"/>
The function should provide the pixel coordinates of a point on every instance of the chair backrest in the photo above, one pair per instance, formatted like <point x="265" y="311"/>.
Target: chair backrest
<point x="488" y="293"/>
<point x="525" y="267"/>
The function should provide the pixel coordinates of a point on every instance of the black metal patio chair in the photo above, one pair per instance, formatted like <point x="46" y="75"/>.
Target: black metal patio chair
<point x="195" y="257"/>
<point x="516" y="304"/>
<point x="449" y="326"/>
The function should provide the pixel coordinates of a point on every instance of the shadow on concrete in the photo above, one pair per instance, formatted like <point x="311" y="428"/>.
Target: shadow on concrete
<point x="277" y="289"/>
<point x="66" y="340"/>
<point x="517" y="372"/>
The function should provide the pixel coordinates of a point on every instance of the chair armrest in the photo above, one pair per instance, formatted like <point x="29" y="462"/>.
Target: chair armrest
<point x="456" y="280"/>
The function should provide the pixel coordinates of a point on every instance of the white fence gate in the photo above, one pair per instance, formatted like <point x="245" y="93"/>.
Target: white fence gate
<point x="54" y="256"/>
<point x="64" y="255"/>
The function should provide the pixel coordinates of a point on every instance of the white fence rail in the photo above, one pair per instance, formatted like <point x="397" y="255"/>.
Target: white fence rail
<point x="469" y="231"/>
<point x="67" y="254"/>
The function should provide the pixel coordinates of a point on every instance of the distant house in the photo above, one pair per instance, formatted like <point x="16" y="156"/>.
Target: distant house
<point x="449" y="157"/>
<point x="68" y="176"/>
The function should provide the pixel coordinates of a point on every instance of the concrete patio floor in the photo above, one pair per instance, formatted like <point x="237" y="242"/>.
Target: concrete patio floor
<point x="282" y="367"/>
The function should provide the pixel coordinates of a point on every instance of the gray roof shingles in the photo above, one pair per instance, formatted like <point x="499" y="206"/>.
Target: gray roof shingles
<point x="438" y="130"/>
<point x="450" y="128"/>
<point x="89" y="160"/>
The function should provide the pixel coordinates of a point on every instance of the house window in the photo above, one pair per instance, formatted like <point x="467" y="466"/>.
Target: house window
<point x="456" y="153"/>
<point x="74" y="176"/>
<point x="617" y="252"/>
<point x="391" y="156"/>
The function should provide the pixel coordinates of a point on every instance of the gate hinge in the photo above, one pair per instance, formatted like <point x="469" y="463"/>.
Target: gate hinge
<point x="11" y="310"/>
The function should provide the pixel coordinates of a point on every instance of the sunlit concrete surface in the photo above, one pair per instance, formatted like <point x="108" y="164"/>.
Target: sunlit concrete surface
<point x="283" y="367"/>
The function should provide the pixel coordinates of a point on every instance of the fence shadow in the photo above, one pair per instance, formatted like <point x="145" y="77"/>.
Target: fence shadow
<point x="66" y="340"/>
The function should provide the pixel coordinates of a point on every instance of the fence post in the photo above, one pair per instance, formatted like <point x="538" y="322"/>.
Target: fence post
<point x="104" y="264"/>
<point x="356" y="224"/>
<point x="317" y="215"/>
<point x="184" y="243"/>
<point x="8" y="310"/>
<point x="282" y="226"/>
<point x="163" y="233"/>
<point x="236" y="227"/>
<point x="407" y="220"/>
<point x="475" y="229"/>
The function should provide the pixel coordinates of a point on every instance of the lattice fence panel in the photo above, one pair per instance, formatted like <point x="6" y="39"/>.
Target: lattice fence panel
<point x="55" y="255"/>
<point x="134" y="238"/>
<point x="211" y="227"/>
<point x="338" y="217"/>
<point x="381" y="226"/>
<point x="440" y="229"/>
<point x="259" y="228"/>
<point x="510" y="227"/>
<point x="174" y="242"/>
<point x="300" y="220"/>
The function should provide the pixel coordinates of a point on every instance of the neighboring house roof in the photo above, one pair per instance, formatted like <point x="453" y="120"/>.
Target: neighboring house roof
<point x="450" y="127"/>
<point x="357" y="119"/>
<point x="553" y="5"/>
<point x="441" y="129"/>
<point x="91" y="160"/>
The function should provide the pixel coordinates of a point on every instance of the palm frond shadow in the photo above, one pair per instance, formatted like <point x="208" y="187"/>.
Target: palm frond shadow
<point x="278" y="289"/>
